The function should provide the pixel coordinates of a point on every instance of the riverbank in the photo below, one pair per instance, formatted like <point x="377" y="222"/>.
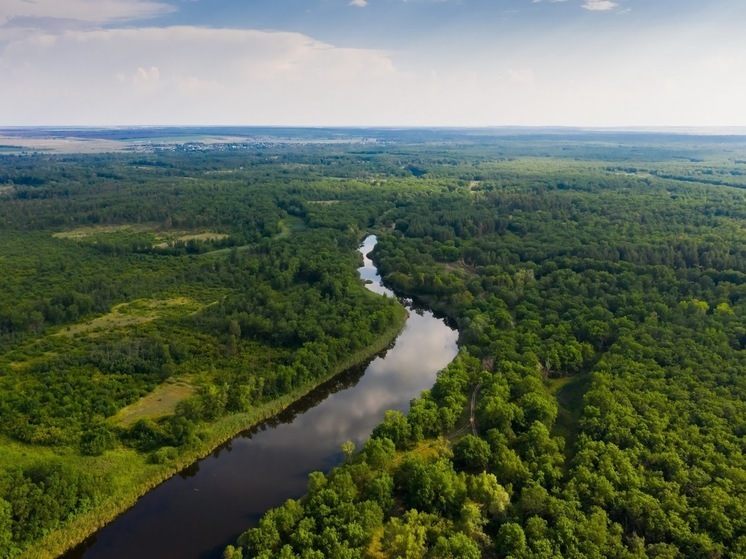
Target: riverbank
<point x="141" y="477"/>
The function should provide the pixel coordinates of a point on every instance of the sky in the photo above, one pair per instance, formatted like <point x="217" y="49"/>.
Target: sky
<point x="604" y="63"/>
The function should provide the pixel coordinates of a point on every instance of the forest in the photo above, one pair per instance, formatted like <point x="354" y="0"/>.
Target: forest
<point x="599" y="287"/>
<point x="150" y="307"/>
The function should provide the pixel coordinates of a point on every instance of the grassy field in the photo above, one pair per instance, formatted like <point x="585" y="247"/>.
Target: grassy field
<point x="159" y="403"/>
<point x="131" y="314"/>
<point x="290" y="225"/>
<point x="81" y="233"/>
<point x="159" y="237"/>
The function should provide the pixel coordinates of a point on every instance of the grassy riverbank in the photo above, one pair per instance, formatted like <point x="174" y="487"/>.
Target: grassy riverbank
<point x="131" y="476"/>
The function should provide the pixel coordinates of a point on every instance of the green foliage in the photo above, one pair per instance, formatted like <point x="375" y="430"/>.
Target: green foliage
<point x="406" y="537"/>
<point x="6" y="528"/>
<point x="620" y="269"/>
<point x="97" y="439"/>
<point x="511" y="541"/>
<point x="458" y="546"/>
<point x="39" y="498"/>
<point x="379" y="451"/>
<point x="485" y="490"/>
<point x="471" y="453"/>
<point x="394" y="428"/>
<point x="602" y="310"/>
<point x="431" y="486"/>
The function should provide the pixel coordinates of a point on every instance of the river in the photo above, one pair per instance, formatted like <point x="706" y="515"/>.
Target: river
<point x="196" y="513"/>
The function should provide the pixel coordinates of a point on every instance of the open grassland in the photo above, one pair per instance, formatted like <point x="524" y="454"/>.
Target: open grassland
<point x="14" y="453"/>
<point x="62" y="145"/>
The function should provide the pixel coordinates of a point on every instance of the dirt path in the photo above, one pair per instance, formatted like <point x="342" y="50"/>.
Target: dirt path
<point x="472" y="418"/>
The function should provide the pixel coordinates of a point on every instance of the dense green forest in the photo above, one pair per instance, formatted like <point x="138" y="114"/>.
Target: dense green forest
<point x="599" y="285"/>
<point x="144" y="298"/>
<point x="601" y="300"/>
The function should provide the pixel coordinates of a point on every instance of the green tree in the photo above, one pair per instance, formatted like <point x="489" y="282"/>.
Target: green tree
<point x="457" y="546"/>
<point x="394" y="427"/>
<point x="471" y="453"/>
<point x="485" y="489"/>
<point x="511" y="540"/>
<point x="405" y="537"/>
<point x="348" y="449"/>
<point x="231" y="552"/>
<point x="6" y="525"/>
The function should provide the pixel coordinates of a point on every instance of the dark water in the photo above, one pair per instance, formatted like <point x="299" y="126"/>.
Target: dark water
<point x="196" y="513"/>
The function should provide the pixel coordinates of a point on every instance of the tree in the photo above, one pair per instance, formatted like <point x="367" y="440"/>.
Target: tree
<point x="394" y="427"/>
<point x="431" y="486"/>
<point x="231" y="552"/>
<point x="485" y="489"/>
<point x="348" y="449"/>
<point x="405" y="537"/>
<point x="457" y="546"/>
<point x="471" y="454"/>
<point x="379" y="452"/>
<point x="6" y="524"/>
<point x="510" y="540"/>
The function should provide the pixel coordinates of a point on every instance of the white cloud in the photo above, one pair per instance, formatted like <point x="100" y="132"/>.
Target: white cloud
<point x="186" y="73"/>
<point x="91" y="11"/>
<point x="359" y="3"/>
<point x="195" y="75"/>
<point x="599" y="5"/>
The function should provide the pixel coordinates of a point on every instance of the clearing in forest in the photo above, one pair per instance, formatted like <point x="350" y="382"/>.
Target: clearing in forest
<point x="569" y="392"/>
<point x="290" y="225"/>
<point x="159" y="403"/>
<point x="165" y="238"/>
<point x="129" y="314"/>
<point x="81" y="233"/>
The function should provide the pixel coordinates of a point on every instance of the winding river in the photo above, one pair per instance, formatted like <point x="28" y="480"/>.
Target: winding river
<point x="196" y="513"/>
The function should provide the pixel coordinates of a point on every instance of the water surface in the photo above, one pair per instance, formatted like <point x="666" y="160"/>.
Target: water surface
<point x="195" y="514"/>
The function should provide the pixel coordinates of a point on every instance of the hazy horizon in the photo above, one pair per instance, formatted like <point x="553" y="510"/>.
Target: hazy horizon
<point x="676" y="130"/>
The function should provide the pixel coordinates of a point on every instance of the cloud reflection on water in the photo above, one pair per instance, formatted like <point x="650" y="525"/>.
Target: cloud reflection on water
<point x="424" y="347"/>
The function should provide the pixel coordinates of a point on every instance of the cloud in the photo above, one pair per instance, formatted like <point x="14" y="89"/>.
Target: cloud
<point x="359" y="3"/>
<point x="183" y="72"/>
<point x="196" y="75"/>
<point x="599" y="5"/>
<point x="524" y="77"/>
<point x="90" y="11"/>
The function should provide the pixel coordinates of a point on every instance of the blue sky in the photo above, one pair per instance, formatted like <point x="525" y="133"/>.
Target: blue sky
<point x="374" y="62"/>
